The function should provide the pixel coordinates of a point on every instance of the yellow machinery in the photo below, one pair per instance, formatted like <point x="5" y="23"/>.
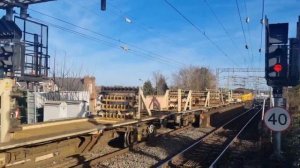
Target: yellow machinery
<point x="247" y="97"/>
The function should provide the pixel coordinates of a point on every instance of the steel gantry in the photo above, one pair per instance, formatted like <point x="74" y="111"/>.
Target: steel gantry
<point x="4" y="4"/>
<point x="235" y="70"/>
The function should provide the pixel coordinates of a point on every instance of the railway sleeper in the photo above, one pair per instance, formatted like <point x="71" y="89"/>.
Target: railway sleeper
<point x="41" y="154"/>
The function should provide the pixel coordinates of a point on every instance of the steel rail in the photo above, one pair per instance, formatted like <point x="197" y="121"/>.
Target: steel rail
<point x="89" y="157"/>
<point x="225" y="149"/>
<point x="165" y="163"/>
<point x="96" y="159"/>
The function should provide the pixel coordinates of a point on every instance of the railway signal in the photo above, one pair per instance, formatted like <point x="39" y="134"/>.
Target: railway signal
<point x="282" y="62"/>
<point x="277" y="68"/>
<point x="277" y="54"/>
<point x="282" y="68"/>
<point x="103" y="5"/>
<point x="294" y="61"/>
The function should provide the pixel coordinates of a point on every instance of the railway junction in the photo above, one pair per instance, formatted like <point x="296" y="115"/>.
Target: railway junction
<point x="58" y="121"/>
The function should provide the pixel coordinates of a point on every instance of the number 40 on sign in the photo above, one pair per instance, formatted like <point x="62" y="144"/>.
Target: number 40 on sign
<point x="277" y="119"/>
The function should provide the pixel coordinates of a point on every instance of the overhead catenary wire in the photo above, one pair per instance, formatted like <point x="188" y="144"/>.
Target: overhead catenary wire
<point x="126" y="16"/>
<point x="242" y="26"/>
<point x="133" y="20"/>
<point x="72" y="24"/>
<point x="201" y="31"/>
<point x="109" y="44"/>
<point x="222" y="25"/>
<point x="262" y="27"/>
<point x="145" y="52"/>
<point x="249" y="34"/>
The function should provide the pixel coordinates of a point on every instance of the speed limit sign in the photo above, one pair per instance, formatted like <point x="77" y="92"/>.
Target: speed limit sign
<point x="277" y="119"/>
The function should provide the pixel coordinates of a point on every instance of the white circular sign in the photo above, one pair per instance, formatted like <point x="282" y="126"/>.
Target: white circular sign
<point x="277" y="119"/>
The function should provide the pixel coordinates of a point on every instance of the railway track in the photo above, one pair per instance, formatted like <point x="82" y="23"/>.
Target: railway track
<point x="208" y="150"/>
<point x="89" y="149"/>
<point x="92" y="159"/>
<point x="150" y="154"/>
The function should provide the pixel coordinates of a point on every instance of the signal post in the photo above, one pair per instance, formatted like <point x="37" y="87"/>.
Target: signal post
<point x="282" y="69"/>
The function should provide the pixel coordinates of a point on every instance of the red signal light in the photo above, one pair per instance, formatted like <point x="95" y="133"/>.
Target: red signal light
<point x="277" y="68"/>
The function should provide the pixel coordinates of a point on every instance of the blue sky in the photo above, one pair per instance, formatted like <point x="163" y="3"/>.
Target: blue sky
<point x="157" y="28"/>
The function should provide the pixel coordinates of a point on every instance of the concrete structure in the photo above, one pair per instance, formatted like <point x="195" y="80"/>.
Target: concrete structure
<point x="65" y="96"/>
<point x="89" y="83"/>
<point x="57" y="110"/>
<point x="54" y="110"/>
<point x="76" y="109"/>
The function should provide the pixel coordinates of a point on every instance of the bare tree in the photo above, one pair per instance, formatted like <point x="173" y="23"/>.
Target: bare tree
<point x="194" y="78"/>
<point x="68" y="76"/>
<point x="160" y="83"/>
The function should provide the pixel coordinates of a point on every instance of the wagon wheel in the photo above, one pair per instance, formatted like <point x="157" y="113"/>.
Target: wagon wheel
<point x="151" y="130"/>
<point x="129" y="138"/>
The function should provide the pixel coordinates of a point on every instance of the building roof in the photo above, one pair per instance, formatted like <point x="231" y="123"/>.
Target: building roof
<point x="63" y="84"/>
